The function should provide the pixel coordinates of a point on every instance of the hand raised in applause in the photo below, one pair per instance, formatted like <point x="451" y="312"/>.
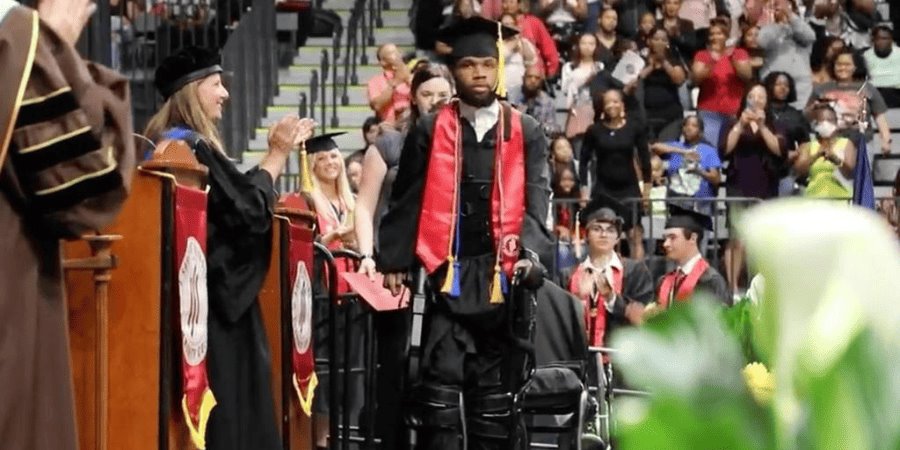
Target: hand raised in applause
<point x="66" y="17"/>
<point x="283" y="134"/>
<point x="306" y="127"/>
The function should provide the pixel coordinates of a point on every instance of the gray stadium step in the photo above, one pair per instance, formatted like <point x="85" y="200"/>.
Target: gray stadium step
<point x="349" y="116"/>
<point x="348" y="143"/>
<point x="304" y="72"/>
<point x="348" y="4"/>
<point x="399" y="35"/>
<point x="312" y="54"/>
<point x="289" y="95"/>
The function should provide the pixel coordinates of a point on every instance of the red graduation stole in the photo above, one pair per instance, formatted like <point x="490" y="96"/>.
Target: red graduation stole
<point x="685" y="290"/>
<point x="595" y="317"/>
<point x="440" y="199"/>
<point x="197" y="399"/>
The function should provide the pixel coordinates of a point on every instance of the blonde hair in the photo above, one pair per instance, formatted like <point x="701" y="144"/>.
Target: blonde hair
<point x="183" y="108"/>
<point x="343" y="184"/>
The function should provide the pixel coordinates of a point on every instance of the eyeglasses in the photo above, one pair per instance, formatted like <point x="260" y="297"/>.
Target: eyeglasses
<point x="602" y="230"/>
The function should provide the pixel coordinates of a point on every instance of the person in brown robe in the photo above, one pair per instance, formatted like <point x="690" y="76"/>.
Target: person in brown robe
<point x="67" y="158"/>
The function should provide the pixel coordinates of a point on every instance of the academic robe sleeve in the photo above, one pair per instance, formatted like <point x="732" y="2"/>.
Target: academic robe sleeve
<point x="559" y="328"/>
<point x="239" y="218"/>
<point x="535" y="236"/>
<point x="638" y="287"/>
<point x="71" y="155"/>
<point x="712" y="283"/>
<point x="400" y="225"/>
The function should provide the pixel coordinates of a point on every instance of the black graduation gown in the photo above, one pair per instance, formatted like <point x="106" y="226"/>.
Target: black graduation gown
<point x="638" y="286"/>
<point x="238" y="252"/>
<point x="466" y="346"/>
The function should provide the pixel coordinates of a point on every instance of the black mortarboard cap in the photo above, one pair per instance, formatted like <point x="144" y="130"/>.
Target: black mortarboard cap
<point x="184" y="66"/>
<point x="322" y="142"/>
<point x="688" y="219"/>
<point x="475" y="37"/>
<point x="604" y="208"/>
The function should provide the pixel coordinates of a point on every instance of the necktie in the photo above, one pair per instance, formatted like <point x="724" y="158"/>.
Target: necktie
<point x="679" y="279"/>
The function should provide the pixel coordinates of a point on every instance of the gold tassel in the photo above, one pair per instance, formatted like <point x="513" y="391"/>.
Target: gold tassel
<point x="448" y="280"/>
<point x="305" y="176"/>
<point x="496" y="288"/>
<point x="501" y="63"/>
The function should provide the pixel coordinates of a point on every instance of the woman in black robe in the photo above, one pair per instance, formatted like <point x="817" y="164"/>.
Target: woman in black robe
<point x="239" y="227"/>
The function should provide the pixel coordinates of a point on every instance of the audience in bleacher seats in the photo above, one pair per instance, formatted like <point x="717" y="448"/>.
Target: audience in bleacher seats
<point x="848" y="19"/>
<point x="786" y="42"/>
<point x="629" y="13"/>
<point x="790" y="121"/>
<point x="693" y="166"/>
<point x="645" y="26"/>
<point x="681" y="31"/>
<point x="562" y="157"/>
<point x="829" y="160"/>
<point x="389" y="91"/>
<point x="576" y="77"/>
<point x="353" y="168"/>
<point x="535" y="101"/>
<point x="700" y="13"/>
<point x="564" y="18"/>
<point x="610" y="44"/>
<point x="883" y="61"/>
<point x="853" y="97"/>
<point x="533" y="29"/>
<point x="822" y="56"/>
<point x="519" y="53"/>
<point x="618" y="144"/>
<point x="661" y="78"/>
<point x="750" y="42"/>
<point x="721" y="73"/>
<point x="753" y="149"/>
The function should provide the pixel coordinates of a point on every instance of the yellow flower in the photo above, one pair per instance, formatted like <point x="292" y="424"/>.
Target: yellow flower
<point x="760" y="381"/>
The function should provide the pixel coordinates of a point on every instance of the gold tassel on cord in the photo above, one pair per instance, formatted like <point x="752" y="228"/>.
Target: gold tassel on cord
<point x="305" y="175"/>
<point x="496" y="287"/>
<point x="576" y="242"/>
<point x="501" y="63"/>
<point x="448" y="280"/>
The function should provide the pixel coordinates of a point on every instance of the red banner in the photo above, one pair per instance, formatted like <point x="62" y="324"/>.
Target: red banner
<point x="300" y="264"/>
<point x="190" y="257"/>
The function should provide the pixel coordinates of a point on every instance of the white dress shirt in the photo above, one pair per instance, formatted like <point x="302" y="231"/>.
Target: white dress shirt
<point x="481" y="119"/>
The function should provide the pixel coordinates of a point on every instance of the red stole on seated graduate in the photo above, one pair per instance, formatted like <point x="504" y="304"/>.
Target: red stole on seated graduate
<point x="440" y="199"/>
<point x="595" y="313"/>
<point x="669" y="291"/>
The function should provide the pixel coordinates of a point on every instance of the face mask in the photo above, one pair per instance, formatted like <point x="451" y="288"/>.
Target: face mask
<point x="825" y="129"/>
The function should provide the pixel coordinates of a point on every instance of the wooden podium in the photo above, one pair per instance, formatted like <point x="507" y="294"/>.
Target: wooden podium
<point x="275" y="302"/>
<point x="126" y="358"/>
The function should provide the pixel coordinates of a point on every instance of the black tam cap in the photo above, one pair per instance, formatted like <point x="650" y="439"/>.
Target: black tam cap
<point x="184" y="66"/>
<point x="603" y="208"/>
<point x="322" y="142"/>
<point x="475" y="37"/>
<point x="688" y="219"/>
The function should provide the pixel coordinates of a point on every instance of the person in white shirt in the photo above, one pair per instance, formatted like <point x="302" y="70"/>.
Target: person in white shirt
<point x="883" y="61"/>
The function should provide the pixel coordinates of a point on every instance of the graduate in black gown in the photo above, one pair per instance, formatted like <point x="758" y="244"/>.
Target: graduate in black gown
<point x="614" y="290"/>
<point x="684" y="230"/>
<point x="238" y="243"/>
<point x="469" y="204"/>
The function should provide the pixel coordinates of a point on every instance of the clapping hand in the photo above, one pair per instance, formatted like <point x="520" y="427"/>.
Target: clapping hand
<point x="66" y="17"/>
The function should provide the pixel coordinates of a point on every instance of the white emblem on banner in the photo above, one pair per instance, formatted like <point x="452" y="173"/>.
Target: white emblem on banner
<point x="301" y="309"/>
<point x="194" y="302"/>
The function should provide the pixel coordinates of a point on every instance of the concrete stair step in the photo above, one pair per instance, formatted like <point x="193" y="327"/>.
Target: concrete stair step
<point x="349" y="116"/>
<point x="304" y="71"/>
<point x="399" y="35"/>
<point x="289" y="95"/>
<point x="312" y="54"/>
<point x="347" y="4"/>
<point x="389" y="17"/>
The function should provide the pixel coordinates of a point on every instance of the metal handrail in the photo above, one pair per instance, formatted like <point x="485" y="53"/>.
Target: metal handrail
<point x="335" y="52"/>
<point x="323" y="64"/>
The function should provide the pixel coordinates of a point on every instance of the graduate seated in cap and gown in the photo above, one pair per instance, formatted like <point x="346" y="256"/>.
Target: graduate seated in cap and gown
<point x="67" y="159"/>
<point x="681" y="237"/>
<point x="469" y="203"/>
<point x="239" y="216"/>
<point x="615" y="290"/>
<point x="329" y="190"/>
